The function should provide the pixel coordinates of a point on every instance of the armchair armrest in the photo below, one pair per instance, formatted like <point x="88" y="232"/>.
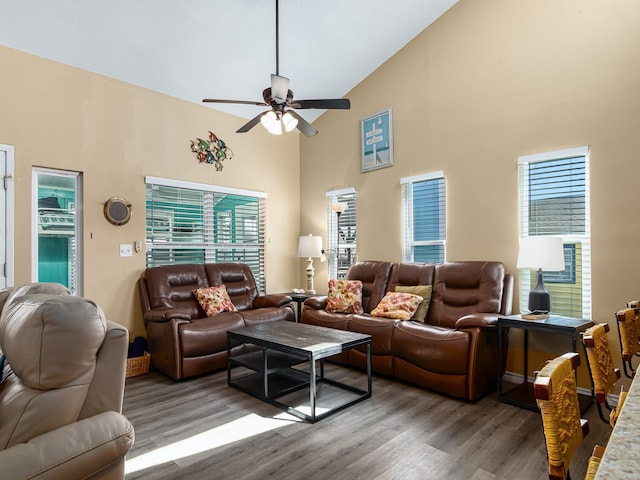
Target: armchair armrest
<point x="478" y="320"/>
<point x="165" y="314"/>
<point x="79" y="450"/>
<point x="318" y="302"/>
<point x="271" y="300"/>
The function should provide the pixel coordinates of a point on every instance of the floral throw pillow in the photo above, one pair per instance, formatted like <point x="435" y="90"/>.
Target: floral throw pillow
<point x="397" y="305"/>
<point x="345" y="296"/>
<point x="423" y="291"/>
<point x="214" y="300"/>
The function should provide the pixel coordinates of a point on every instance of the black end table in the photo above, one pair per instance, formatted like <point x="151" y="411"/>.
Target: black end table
<point x="299" y="298"/>
<point x="522" y="394"/>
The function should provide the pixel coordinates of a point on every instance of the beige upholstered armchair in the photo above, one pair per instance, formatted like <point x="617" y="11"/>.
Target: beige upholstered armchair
<point x="62" y="387"/>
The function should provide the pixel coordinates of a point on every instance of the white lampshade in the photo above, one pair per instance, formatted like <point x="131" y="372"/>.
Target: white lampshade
<point x="289" y="121"/>
<point x="310" y="246"/>
<point x="339" y="207"/>
<point x="541" y="252"/>
<point x="271" y="122"/>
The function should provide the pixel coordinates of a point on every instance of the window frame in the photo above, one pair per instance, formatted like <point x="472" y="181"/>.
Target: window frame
<point x="75" y="246"/>
<point x="578" y="243"/>
<point x="209" y="243"/>
<point x="348" y="246"/>
<point x="408" y="208"/>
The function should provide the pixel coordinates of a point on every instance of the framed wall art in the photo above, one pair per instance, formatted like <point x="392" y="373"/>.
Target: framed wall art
<point x="377" y="141"/>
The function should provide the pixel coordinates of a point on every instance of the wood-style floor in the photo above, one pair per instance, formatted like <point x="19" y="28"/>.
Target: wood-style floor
<point x="203" y="429"/>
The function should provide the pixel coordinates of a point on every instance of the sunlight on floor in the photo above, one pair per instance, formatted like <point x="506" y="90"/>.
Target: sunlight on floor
<point x="239" y="429"/>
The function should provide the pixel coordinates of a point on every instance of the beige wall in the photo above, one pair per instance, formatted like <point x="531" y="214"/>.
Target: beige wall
<point x="489" y="81"/>
<point x="115" y="134"/>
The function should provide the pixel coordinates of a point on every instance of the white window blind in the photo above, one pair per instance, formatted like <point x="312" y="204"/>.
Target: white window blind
<point x="342" y="249"/>
<point x="424" y="218"/>
<point x="554" y="200"/>
<point x="196" y="223"/>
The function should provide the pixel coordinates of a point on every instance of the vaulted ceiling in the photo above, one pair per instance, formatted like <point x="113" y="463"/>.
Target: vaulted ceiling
<point x="192" y="49"/>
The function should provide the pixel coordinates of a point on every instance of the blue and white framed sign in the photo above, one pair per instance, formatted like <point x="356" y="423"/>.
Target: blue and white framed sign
<point x="377" y="141"/>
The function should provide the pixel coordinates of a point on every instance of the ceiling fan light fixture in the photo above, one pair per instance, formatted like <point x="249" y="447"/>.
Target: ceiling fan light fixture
<point x="289" y="121"/>
<point x="271" y="122"/>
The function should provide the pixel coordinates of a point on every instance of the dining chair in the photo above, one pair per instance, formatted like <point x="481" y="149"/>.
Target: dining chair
<point x="603" y="371"/>
<point x="628" y="321"/>
<point x="557" y="398"/>
<point x="594" y="462"/>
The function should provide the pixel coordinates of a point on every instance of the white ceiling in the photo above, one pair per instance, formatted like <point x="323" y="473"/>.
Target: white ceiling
<point x="192" y="49"/>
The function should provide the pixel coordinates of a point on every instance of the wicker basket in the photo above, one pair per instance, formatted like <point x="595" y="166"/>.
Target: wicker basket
<point x="138" y="365"/>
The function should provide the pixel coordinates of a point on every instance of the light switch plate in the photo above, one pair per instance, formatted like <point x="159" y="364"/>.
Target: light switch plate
<point x="126" y="250"/>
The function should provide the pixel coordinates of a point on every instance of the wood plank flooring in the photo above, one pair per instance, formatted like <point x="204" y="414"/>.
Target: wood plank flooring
<point x="402" y="432"/>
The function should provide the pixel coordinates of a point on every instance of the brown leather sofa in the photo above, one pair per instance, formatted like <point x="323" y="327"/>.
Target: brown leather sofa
<point x="182" y="340"/>
<point x="455" y="351"/>
<point x="62" y="388"/>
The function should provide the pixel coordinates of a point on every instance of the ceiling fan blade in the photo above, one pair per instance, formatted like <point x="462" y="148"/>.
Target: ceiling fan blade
<point x="250" y="124"/>
<point x="328" y="103"/>
<point x="304" y="126"/>
<point x="241" y="102"/>
<point x="279" y="88"/>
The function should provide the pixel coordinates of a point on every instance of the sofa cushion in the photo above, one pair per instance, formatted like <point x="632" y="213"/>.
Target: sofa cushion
<point x="464" y="288"/>
<point x="345" y="296"/>
<point x="214" y="300"/>
<point x="425" y="292"/>
<point x="173" y="285"/>
<point x="207" y="336"/>
<point x="374" y="276"/>
<point x="435" y="349"/>
<point x="239" y="280"/>
<point x="397" y="305"/>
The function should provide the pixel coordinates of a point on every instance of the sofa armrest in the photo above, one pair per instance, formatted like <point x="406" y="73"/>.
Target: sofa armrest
<point x="79" y="450"/>
<point x="478" y="320"/>
<point x="271" y="300"/>
<point x="318" y="302"/>
<point x="165" y="314"/>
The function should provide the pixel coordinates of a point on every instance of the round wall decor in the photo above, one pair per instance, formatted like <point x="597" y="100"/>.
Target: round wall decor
<point x="117" y="211"/>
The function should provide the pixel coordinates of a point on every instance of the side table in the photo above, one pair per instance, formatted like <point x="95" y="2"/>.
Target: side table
<point x="299" y="298"/>
<point x="521" y="394"/>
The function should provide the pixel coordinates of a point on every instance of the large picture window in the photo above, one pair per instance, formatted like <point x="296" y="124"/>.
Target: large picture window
<point x="554" y="200"/>
<point x="342" y="236"/>
<point x="424" y="218"/>
<point x="198" y="223"/>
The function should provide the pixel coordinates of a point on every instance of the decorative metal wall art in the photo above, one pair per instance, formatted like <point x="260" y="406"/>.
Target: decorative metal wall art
<point x="213" y="151"/>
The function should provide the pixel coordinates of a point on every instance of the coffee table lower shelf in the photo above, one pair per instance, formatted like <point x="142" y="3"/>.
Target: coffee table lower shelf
<point x="278" y="364"/>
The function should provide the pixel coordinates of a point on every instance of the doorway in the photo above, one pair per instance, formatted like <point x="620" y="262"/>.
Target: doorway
<point x="6" y="216"/>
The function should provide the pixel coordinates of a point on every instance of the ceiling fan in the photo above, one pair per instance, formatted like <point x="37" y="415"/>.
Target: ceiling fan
<point x="282" y="114"/>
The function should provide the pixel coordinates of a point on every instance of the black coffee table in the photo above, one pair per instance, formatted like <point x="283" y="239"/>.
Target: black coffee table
<point x="272" y="354"/>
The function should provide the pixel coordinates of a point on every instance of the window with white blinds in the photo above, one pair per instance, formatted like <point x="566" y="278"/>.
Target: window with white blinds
<point x="424" y="218"/>
<point x="554" y="200"/>
<point x="342" y="238"/>
<point x="199" y="223"/>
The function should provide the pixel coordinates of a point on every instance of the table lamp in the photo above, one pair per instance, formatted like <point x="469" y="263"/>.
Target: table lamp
<point x="310" y="246"/>
<point x="541" y="253"/>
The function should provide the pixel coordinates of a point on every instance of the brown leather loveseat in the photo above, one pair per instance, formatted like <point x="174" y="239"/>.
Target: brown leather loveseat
<point x="182" y="340"/>
<point x="455" y="350"/>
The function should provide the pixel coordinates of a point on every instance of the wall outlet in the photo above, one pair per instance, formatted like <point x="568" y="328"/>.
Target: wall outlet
<point x="126" y="250"/>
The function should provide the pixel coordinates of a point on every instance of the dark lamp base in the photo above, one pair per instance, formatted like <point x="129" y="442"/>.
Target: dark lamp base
<point x="539" y="297"/>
